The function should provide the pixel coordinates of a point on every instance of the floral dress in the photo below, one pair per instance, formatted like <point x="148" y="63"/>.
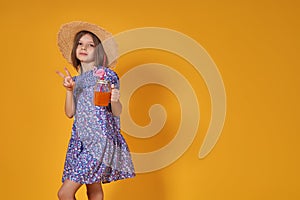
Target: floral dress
<point x="97" y="151"/>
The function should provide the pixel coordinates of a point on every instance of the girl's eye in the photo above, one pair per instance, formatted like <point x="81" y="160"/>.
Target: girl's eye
<point x="91" y="45"/>
<point x="79" y="43"/>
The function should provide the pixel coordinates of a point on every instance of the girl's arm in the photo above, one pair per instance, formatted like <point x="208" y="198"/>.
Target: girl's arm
<point x="69" y="84"/>
<point x="69" y="104"/>
<point x="116" y="106"/>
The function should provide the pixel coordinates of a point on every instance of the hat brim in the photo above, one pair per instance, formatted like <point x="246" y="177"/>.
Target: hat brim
<point x="68" y="31"/>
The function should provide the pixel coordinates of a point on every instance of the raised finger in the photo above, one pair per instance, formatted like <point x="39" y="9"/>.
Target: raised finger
<point x="60" y="74"/>
<point x="67" y="71"/>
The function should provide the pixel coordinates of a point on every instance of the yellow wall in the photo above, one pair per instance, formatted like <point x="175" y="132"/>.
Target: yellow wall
<point x="255" y="45"/>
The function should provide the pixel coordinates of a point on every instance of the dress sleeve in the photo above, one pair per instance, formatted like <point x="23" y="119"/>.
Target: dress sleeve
<point x="74" y="78"/>
<point x="113" y="77"/>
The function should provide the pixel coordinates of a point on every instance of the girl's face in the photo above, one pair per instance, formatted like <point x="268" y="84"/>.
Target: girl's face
<point x="85" y="51"/>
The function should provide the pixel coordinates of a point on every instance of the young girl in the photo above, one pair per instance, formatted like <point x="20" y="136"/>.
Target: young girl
<point x="97" y="152"/>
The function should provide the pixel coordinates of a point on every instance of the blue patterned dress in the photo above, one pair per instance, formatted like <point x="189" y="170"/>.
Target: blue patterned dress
<point x="97" y="151"/>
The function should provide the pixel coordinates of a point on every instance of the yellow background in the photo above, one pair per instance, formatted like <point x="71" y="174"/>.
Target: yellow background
<point x="255" y="45"/>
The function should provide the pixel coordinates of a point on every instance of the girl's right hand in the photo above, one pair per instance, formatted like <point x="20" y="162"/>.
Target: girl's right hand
<point x="68" y="82"/>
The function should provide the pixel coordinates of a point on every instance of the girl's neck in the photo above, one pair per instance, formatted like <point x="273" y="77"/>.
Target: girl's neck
<point x="87" y="67"/>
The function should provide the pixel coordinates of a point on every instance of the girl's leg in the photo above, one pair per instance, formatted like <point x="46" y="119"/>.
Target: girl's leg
<point x="68" y="190"/>
<point x="94" y="191"/>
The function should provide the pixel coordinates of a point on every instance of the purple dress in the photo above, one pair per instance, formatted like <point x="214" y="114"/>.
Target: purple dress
<point x="97" y="151"/>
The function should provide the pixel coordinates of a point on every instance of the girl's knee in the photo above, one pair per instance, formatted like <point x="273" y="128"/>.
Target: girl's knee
<point x="68" y="190"/>
<point x="64" y="195"/>
<point x="61" y="194"/>
<point x="95" y="194"/>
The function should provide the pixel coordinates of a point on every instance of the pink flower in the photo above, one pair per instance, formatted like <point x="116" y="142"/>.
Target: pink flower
<point x="99" y="73"/>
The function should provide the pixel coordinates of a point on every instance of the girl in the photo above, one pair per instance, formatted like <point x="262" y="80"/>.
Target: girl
<point x="97" y="152"/>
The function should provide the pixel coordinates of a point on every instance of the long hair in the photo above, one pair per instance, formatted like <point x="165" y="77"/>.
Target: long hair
<point x="100" y="56"/>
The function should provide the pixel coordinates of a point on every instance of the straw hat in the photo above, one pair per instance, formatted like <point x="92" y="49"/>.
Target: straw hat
<point x="68" y="31"/>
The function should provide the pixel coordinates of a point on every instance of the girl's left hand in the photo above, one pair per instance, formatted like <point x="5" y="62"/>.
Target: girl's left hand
<point x="115" y="94"/>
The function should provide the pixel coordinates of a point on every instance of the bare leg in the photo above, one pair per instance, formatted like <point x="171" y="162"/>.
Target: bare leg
<point x="94" y="191"/>
<point x="67" y="190"/>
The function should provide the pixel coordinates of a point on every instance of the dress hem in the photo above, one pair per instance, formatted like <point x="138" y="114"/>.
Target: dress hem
<point x="99" y="181"/>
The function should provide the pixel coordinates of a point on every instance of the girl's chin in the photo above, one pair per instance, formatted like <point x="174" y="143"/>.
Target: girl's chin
<point x="82" y="60"/>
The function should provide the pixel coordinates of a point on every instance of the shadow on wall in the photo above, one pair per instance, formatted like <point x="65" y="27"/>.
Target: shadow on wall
<point x="143" y="186"/>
